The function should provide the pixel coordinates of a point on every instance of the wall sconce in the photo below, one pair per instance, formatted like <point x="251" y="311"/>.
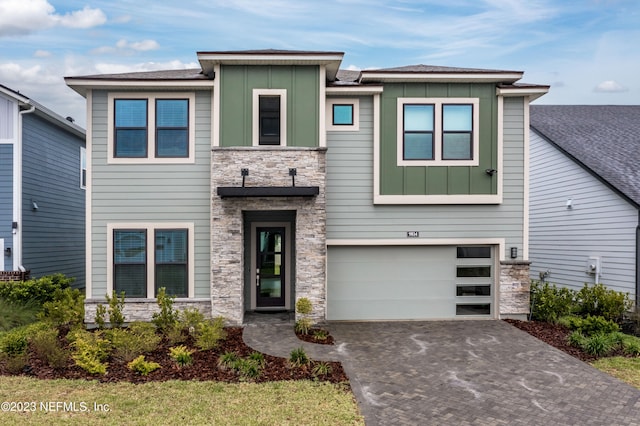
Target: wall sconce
<point x="244" y="173"/>
<point x="569" y="203"/>
<point x="293" y="173"/>
<point x="491" y="172"/>
<point x="7" y="252"/>
<point x="514" y="252"/>
<point x="34" y="205"/>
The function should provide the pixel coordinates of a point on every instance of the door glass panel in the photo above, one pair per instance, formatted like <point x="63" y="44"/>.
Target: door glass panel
<point x="270" y="267"/>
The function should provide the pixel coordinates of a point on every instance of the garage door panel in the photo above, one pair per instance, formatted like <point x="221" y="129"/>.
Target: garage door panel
<point x="402" y="309"/>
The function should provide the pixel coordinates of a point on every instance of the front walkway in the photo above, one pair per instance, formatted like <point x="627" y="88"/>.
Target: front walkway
<point x="461" y="373"/>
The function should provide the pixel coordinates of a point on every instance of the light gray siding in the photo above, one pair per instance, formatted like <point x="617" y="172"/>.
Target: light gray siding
<point x="600" y="223"/>
<point x="6" y="200"/>
<point x="148" y="193"/>
<point x="53" y="235"/>
<point x="351" y="213"/>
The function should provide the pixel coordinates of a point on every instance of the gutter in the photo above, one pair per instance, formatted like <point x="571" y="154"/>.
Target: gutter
<point x="17" y="190"/>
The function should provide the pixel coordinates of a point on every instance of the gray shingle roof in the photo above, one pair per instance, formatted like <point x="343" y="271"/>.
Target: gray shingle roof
<point x="603" y="138"/>
<point x="436" y="69"/>
<point x="181" y="74"/>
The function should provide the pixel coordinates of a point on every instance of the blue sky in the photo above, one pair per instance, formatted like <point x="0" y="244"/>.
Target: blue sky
<point x="587" y="50"/>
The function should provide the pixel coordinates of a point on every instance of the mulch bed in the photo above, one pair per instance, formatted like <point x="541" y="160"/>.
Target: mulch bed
<point x="204" y="367"/>
<point x="311" y="337"/>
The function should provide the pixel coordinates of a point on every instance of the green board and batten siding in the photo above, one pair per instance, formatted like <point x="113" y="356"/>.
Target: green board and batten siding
<point x="443" y="180"/>
<point x="161" y="193"/>
<point x="236" y="102"/>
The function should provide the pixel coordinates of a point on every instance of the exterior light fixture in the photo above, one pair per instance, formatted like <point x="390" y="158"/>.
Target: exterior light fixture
<point x="514" y="252"/>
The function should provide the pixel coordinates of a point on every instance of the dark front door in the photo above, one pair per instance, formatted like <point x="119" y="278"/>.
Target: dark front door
<point x="270" y="268"/>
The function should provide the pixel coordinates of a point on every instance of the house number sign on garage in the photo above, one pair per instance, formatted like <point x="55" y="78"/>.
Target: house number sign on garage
<point x="413" y="234"/>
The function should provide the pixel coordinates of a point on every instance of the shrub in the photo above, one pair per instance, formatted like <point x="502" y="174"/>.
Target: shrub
<point x="298" y="357"/>
<point x="14" y="344"/>
<point x="116" y="306"/>
<point x="549" y="302"/>
<point x="599" y="344"/>
<point x="142" y="367"/>
<point x="181" y="355"/>
<point x="90" y="352"/>
<point x="167" y="317"/>
<point x="228" y="360"/>
<point x="248" y="368"/>
<point x="257" y="357"/>
<point x="596" y="324"/>
<point x="208" y="333"/>
<point x="597" y="300"/>
<point x="303" y="306"/>
<point x="38" y="290"/>
<point x="129" y="343"/>
<point x="303" y="325"/>
<point x="101" y="314"/>
<point x="572" y="322"/>
<point x="66" y="308"/>
<point x="15" y="314"/>
<point x="320" y="334"/>
<point x="321" y="369"/>
<point x="45" y="345"/>
<point x="190" y="318"/>
<point x="576" y="339"/>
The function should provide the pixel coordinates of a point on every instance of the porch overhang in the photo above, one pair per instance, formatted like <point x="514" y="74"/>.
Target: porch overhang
<point x="267" y="191"/>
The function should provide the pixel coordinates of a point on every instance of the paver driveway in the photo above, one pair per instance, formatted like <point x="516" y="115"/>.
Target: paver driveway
<point x="474" y="373"/>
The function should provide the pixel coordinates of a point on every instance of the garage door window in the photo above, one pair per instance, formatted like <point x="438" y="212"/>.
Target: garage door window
<point x="474" y="280"/>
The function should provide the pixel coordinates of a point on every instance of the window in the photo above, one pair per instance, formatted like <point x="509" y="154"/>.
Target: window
<point x="269" y="117"/>
<point x="438" y="131"/>
<point x="83" y="167"/>
<point x="474" y="280"/>
<point x="343" y="114"/>
<point x="145" y="257"/>
<point x="151" y="128"/>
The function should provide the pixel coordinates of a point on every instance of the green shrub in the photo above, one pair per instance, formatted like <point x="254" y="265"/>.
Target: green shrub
<point x="630" y="345"/>
<point x="599" y="344"/>
<point x="116" y="306"/>
<point x="16" y="314"/>
<point x="303" y="325"/>
<point x="596" y="324"/>
<point x="549" y="302"/>
<point x="142" y="367"/>
<point x="45" y="345"/>
<point x="181" y="355"/>
<point x="298" y="357"/>
<point x="208" y="333"/>
<point x="90" y="350"/>
<point x="167" y="317"/>
<point x="303" y="306"/>
<point x="597" y="300"/>
<point x="257" y="357"/>
<point x="101" y="315"/>
<point x="66" y="308"/>
<point x="320" y="334"/>
<point x="227" y="360"/>
<point x="321" y="369"/>
<point x="38" y="290"/>
<point x="14" y="344"/>
<point x="576" y="338"/>
<point x="189" y="318"/>
<point x="248" y="368"/>
<point x="129" y="343"/>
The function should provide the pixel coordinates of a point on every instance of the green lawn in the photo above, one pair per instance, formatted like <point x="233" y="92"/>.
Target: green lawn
<point x="625" y="369"/>
<point x="54" y="402"/>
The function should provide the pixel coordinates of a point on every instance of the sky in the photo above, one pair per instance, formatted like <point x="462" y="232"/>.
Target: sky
<point x="588" y="51"/>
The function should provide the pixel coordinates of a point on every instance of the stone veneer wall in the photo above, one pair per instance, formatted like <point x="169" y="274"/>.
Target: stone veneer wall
<point x="143" y="309"/>
<point x="268" y="166"/>
<point x="515" y="285"/>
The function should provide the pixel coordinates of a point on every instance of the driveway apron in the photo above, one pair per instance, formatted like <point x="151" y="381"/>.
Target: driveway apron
<point x="474" y="373"/>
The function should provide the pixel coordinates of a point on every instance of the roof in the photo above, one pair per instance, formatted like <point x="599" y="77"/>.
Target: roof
<point x="436" y="73"/>
<point x="605" y="139"/>
<point x="183" y="74"/>
<point x="26" y="103"/>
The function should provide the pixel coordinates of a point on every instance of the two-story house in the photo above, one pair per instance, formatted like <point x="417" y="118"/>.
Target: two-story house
<point x="42" y="195"/>
<point x="269" y="175"/>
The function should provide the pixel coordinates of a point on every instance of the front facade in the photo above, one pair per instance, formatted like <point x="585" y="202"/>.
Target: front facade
<point x="42" y="195"/>
<point x="266" y="176"/>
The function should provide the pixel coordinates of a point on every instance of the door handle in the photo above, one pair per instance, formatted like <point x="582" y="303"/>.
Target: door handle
<point x="257" y="277"/>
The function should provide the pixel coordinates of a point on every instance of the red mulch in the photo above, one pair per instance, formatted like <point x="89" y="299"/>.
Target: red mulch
<point x="204" y="367"/>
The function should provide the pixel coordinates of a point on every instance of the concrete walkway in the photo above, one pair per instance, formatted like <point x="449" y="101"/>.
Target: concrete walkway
<point x="461" y="373"/>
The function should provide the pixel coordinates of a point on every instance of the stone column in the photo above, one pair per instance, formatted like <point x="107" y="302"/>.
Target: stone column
<point x="515" y="285"/>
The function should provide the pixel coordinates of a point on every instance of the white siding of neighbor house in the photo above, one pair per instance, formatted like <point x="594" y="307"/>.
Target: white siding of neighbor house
<point x="150" y="193"/>
<point x="352" y="215"/>
<point x="600" y="223"/>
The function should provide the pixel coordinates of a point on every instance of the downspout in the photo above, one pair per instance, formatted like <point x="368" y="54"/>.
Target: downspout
<point x="17" y="194"/>
<point x="638" y="264"/>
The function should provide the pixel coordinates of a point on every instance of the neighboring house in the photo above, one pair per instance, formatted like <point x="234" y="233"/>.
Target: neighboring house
<point x="585" y="195"/>
<point x="269" y="175"/>
<point x="42" y="195"/>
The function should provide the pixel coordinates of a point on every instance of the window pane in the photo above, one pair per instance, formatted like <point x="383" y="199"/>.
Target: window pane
<point x="456" y="146"/>
<point x="473" y="271"/>
<point x="269" y="120"/>
<point x="343" y="115"/>
<point x="270" y="103"/>
<point x="418" y="146"/>
<point x="474" y="252"/>
<point x="474" y="309"/>
<point x="130" y="258"/>
<point x="171" y="261"/>
<point x="129" y="246"/>
<point x="172" y="143"/>
<point x="131" y="143"/>
<point x="473" y="290"/>
<point x="172" y="112"/>
<point x="418" y="117"/>
<point x="131" y="279"/>
<point x="131" y="113"/>
<point x="457" y="117"/>
<point x="173" y="278"/>
<point x="270" y="126"/>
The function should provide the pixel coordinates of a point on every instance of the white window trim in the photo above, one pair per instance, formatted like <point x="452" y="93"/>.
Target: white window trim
<point x="151" y="123"/>
<point x="255" y="136"/>
<point x="83" y="153"/>
<point x="356" y="114"/>
<point x="151" y="253"/>
<point x="437" y="132"/>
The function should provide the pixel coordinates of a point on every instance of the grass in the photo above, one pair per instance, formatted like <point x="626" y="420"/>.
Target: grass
<point x="173" y="402"/>
<point x="16" y="314"/>
<point x="625" y="369"/>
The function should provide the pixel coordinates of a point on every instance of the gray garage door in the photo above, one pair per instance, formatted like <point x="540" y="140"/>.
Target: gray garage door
<point x="409" y="282"/>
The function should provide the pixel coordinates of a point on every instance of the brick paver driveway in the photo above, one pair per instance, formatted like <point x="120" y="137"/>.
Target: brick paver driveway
<point x="474" y="373"/>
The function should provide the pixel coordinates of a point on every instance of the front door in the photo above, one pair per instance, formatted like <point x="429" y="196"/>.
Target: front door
<point x="270" y="266"/>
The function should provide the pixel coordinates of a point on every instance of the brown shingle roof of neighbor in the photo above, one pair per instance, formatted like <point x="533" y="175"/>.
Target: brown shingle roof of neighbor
<point x="605" y="139"/>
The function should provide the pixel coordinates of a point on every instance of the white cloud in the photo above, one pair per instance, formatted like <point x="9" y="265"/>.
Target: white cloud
<point x="41" y="54"/>
<point x="610" y="86"/>
<point x="126" y="48"/>
<point x="20" y="17"/>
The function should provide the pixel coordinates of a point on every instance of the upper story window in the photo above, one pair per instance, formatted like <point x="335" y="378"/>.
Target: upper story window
<point x="438" y="131"/>
<point x="343" y="114"/>
<point x="151" y="128"/>
<point x="269" y="117"/>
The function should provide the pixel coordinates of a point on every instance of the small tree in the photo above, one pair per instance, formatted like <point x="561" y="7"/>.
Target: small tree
<point x="304" y="308"/>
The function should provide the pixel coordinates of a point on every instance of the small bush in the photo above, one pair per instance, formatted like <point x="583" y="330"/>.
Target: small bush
<point x="596" y="324"/>
<point x="45" y="345"/>
<point x="303" y="306"/>
<point x="15" y="364"/>
<point x="101" y="315"/>
<point x="303" y="325"/>
<point x="66" y="308"/>
<point x="116" y="306"/>
<point x="208" y="333"/>
<point x="257" y="357"/>
<point x="38" y="290"/>
<point x="129" y="343"/>
<point x="142" y="367"/>
<point x="227" y="360"/>
<point x="181" y="355"/>
<point x="599" y="344"/>
<point x="90" y="352"/>
<point x="597" y="300"/>
<point x="189" y="318"/>
<point x="572" y="322"/>
<point x="576" y="339"/>
<point x="167" y="317"/>
<point x="14" y="344"/>
<point x="321" y="369"/>
<point x="16" y="314"/>
<point x="298" y="357"/>
<point x="631" y="345"/>
<point x="550" y="302"/>
<point x="320" y="334"/>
